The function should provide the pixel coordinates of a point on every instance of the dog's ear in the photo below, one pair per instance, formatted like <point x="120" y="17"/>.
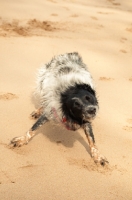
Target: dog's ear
<point x="87" y="88"/>
<point x="77" y="103"/>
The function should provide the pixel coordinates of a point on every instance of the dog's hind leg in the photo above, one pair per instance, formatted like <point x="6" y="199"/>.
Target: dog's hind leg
<point x="98" y="158"/>
<point x="19" y="141"/>
<point x="37" y="113"/>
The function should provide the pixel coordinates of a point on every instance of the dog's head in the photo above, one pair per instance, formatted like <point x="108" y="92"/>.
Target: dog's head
<point x="80" y="103"/>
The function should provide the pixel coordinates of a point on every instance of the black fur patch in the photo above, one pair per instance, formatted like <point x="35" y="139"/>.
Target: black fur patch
<point x="86" y="87"/>
<point x="69" y="94"/>
<point x="42" y="119"/>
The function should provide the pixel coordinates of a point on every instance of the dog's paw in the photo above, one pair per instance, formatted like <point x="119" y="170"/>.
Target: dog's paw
<point x="100" y="159"/>
<point x="18" y="141"/>
<point x="34" y="115"/>
<point x="37" y="113"/>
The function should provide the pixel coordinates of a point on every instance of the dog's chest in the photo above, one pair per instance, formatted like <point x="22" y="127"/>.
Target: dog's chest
<point x="73" y="126"/>
<point x="68" y="124"/>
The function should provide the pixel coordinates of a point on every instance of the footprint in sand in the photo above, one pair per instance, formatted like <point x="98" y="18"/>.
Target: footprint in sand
<point x="12" y="28"/>
<point x="114" y="3"/>
<point x="31" y="27"/>
<point x="74" y="15"/>
<point x="123" y="51"/>
<point x="130" y="79"/>
<point x="123" y="39"/>
<point x="54" y="14"/>
<point x="45" y="25"/>
<point x="8" y="96"/>
<point x="66" y="8"/>
<point x="99" y="26"/>
<point x="105" y="79"/>
<point x="94" y="18"/>
<point x="129" y="121"/>
<point x="128" y="128"/>
<point x="53" y="1"/>
<point x="129" y="29"/>
<point x="104" y="13"/>
<point x="91" y="166"/>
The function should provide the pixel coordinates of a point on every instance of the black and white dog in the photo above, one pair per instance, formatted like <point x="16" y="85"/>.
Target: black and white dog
<point x="67" y="96"/>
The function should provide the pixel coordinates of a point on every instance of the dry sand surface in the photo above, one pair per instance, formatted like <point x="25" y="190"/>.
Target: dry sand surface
<point x="56" y="164"/>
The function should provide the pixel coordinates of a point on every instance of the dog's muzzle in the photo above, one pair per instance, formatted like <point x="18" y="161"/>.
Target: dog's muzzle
<point x="90" y="112"/>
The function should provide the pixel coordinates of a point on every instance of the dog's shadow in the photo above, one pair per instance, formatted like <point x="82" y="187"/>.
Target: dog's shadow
<point x="58" y="134"/>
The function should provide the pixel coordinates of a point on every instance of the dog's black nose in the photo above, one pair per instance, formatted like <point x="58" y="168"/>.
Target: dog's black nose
<point x="91" y="110"/>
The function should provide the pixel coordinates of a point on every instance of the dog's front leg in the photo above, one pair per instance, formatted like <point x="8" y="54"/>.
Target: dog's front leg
<point x="37" y="113"/>
<point x="19" y="141"/>
<point x="98" y="158"/>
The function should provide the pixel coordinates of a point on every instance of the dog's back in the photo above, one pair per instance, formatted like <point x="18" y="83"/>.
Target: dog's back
<point x="55" y="77"/>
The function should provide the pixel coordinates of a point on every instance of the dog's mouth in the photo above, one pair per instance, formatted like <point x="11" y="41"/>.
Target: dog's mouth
<point x="88" y="117"/>
<point x="89" y="113"/>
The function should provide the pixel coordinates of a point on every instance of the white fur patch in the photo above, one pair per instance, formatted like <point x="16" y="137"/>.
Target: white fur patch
<point x="28" y="135"/>
<point x="51" y="82"/>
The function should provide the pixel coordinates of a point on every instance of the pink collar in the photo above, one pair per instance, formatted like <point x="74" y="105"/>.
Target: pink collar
<point x="65" y="122"/>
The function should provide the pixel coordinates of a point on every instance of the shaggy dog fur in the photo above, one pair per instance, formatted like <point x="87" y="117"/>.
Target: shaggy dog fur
<point x="67" y="96"/>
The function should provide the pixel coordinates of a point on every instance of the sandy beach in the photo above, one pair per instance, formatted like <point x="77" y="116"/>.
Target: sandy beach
<point x="56" y="164"/>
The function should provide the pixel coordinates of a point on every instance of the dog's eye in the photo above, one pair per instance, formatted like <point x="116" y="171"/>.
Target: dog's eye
<point x="87" y="98"/>
<point x="76" y="103"/>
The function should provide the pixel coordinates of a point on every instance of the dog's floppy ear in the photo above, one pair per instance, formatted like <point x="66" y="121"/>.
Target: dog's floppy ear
<point x="86" y="87"/>
<point x="76" y="102"/>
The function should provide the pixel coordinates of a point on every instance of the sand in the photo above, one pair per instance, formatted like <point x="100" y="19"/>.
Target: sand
<point x="56" y="164"/>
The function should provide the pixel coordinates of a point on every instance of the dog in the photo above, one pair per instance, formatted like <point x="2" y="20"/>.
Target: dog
<point x="66" y="96"/>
